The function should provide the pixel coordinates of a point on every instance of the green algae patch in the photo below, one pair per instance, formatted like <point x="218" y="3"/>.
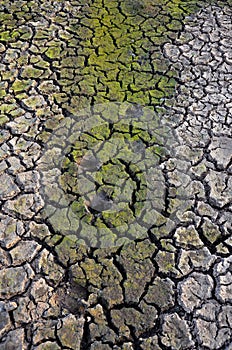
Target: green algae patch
<point x="120" y="57"/>
<point x="107" y="51"/>
<point x="109" y="46"/>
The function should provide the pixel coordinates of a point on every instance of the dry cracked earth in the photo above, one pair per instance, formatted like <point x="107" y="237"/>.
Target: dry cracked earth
<point x="115" y="175"/>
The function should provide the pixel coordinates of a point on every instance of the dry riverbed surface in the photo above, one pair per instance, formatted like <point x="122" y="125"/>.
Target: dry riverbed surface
<point x="115" y="175"/>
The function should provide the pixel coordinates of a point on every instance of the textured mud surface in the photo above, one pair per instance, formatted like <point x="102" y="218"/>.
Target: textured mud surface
<point x="68" y="287"/>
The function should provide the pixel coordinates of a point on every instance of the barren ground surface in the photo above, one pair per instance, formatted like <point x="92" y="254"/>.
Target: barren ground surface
<point x="115" y="175"/>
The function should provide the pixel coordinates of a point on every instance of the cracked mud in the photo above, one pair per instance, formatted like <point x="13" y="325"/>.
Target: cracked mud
<point x="98" y="251"/>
